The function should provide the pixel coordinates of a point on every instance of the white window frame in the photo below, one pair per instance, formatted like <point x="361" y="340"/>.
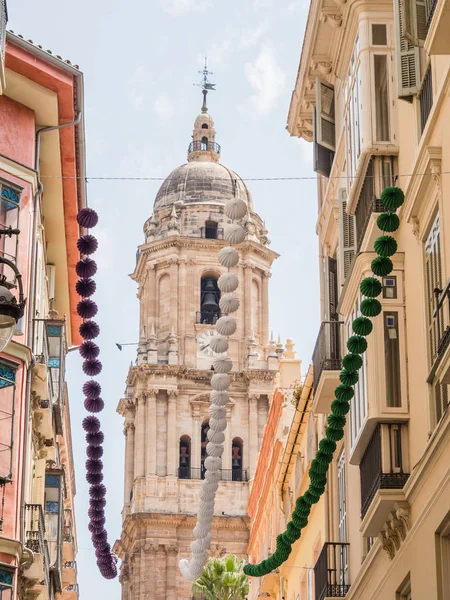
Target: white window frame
<point x="359" y="407"/>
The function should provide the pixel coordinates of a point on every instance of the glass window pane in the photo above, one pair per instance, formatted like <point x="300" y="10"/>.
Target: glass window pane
<point x="392" y="360"/>
<point x="381" y="98"/>
<point x="379" y="35"/>
<point x="7" y="392"/>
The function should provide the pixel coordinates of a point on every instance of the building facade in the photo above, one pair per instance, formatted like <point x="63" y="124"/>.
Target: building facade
<point x="41" y="190"/>
<point x="372" y="96"/>
<point x="166" y="405"/>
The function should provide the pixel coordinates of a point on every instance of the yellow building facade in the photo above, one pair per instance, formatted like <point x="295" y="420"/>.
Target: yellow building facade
<point x="372" y="97"/>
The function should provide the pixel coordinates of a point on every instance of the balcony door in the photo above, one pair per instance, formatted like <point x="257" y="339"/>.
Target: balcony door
<point x="332" y="293"/>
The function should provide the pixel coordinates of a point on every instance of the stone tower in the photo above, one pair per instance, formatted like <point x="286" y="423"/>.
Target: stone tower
<point x="166" y="404"/>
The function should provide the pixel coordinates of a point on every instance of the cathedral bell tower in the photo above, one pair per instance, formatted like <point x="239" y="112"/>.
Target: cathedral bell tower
<point x="166" y="403"/>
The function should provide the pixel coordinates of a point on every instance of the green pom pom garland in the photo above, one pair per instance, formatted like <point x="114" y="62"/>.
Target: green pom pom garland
<point x="382" y="266"/>
<point x="392" y="197"/>
<point x="370" y="287"/>
<point x="357" y="344"/>
<point x="362" y="326"/>
<point x="385" y="246"/>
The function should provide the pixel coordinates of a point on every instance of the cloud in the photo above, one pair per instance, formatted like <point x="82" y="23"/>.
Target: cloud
<point x="177" y="8"/>
<point x="294" y="5"/>
<point x="218" y="54"/>
<point x="266" y="79"/>
<point x="163" y="107"/>
<point x="251" y="37"/>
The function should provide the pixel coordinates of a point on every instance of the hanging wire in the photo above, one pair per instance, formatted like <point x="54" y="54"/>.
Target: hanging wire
<point x="300" y="178"/>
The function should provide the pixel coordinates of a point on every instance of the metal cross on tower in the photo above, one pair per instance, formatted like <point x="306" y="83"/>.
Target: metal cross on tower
<point x="205" y="84"/>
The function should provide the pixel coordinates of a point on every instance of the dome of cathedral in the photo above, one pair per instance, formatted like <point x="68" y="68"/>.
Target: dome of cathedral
<point x="201" y="181"/>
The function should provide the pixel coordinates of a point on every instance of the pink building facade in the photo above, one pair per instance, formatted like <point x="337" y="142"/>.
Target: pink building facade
<point x="39" y="93"/>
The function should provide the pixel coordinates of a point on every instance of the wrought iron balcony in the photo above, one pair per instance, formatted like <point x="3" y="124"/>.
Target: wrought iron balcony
<point x="199" y="473"/>
<point x="368" y="203"/>
<point x="426" y="98"/>
<point x="441" y="328"/>
<point x="35" y="536"/>
<point x="430" y="7"/>
<point x="331" y="571"/>
<point x="382" y="470"/>
<point x="197" y="146"/>
<point x="327" y="354"/>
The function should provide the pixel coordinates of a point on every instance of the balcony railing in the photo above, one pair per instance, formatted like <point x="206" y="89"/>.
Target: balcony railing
<point x="327" y="354"/>
<point x="211" y="233"/>
<point x="68" y="525"/>
<point x="378" y="471"/>
<point x="441" y="328"/>
<point x="35" y="536"/>
<point x="331" y="571"/>
<point x="430" y="6"/>
<point x="203" y="146"/>
<point x="368" y="204"/>
<point x="207" y="317"/>
<point x="426" y="98"/>
<point x="199" y="473"/>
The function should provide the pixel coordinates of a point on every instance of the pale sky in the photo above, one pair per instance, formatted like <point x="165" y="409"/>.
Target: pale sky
<point x="140" y="60"/>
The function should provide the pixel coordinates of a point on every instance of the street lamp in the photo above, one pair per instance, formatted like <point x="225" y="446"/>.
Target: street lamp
<point x="11" y="310"/>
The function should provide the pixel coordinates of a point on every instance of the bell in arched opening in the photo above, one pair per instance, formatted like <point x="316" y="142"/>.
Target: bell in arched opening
<point x="209" y="307"/>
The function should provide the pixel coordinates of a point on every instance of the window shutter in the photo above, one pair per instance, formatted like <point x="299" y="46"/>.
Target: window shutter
<point x="347" y="235"/>
<point x="414" y="21"/>
<point x="332" y="289"/>
<point x="325" y="115"/>
<point x="407" y="55"/>
<point x="323" y="157"/>
<point x="38" y="494"/>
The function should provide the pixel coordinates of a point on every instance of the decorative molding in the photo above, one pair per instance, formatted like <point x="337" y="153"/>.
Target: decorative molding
<point x="330" y="16"/>
<point x="395" y="529"/>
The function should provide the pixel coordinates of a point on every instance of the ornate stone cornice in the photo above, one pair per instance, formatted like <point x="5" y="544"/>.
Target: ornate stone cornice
<point x="152" y="247"/>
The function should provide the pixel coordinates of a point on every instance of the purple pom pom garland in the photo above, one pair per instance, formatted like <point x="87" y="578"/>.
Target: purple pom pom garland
<point x="87" y="309"/>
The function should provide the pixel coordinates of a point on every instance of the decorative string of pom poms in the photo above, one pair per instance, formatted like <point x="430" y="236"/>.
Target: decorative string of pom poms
<point x="385" y="246"/>
<point x="87" y="309"/>
<point x="227" y="283"/>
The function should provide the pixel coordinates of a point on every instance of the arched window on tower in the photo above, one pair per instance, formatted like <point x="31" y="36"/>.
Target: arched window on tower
<point x="209" y="300"/>
<point x="211" y="230"/>
<point x="204" y="145"/>
<point x="204" y="443"/>
<point x="237" y="447"/>
<point x="184" y="468"/>
<point x="204" y="126"/>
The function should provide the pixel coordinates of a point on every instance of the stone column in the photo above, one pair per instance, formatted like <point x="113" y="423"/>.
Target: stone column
<point x="151" y="570"/>
<point x="252" y="433"/>
<point x="150" y="439"/>
<point x="196" y="442"/>
<point x="124" y="579"/>
<point x="161" y="574"/>
<point x="139" y="449"/>
<point x="150" y="297"/>
<point x="172" y="571"/>
<point x="182" y="308"/>
<point x="172" y="442"/>
<point x="129" y="461"/>
<point x="173" y="270"/>
<point x="265" y="308"/>
<point x="248" y="318"/>
<point x="226" y="459"/>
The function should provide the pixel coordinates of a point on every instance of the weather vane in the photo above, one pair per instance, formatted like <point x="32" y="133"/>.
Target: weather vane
<point x="205" y="84"/>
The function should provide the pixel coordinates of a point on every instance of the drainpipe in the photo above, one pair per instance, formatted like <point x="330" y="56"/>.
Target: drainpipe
<point x="32" y="298"/>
